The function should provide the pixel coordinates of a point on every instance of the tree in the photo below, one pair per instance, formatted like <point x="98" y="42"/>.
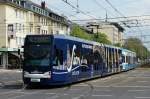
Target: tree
<point x="78" y="32"/>
<point x="101" y="38"/>
<point x="81" y="33"/>
<point x="134" y="44"/>
<point x="117" y="44"/>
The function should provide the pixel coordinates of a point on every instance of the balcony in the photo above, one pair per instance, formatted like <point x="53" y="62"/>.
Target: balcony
<point x="11" y="34"/>
<point x="21" y="3"/>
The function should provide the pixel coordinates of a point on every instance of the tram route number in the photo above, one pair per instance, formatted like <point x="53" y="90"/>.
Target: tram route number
<point x="75" y="73"/>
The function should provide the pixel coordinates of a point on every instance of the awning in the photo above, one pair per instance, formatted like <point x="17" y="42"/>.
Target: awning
<point x="15" y="54"/>
<point x="10" y="49"/>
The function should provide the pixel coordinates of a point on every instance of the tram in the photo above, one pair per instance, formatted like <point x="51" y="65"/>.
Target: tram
<point x="59" y="59"/>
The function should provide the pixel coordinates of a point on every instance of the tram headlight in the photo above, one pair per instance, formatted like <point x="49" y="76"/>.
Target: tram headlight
<point x="25" y="73"/>
<point x="47" y="74"/>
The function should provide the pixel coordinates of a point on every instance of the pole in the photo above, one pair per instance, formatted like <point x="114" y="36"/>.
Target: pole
<point x="97" y="33"/>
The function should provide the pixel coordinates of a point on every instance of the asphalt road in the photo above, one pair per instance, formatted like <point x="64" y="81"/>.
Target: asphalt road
<point x="134" y="84"/>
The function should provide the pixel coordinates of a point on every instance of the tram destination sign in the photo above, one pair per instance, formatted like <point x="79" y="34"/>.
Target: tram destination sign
<point x="39" y="39"/>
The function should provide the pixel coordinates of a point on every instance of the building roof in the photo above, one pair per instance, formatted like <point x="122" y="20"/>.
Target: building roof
<point x="118" y="26"/>
<point x="31" y="6"/>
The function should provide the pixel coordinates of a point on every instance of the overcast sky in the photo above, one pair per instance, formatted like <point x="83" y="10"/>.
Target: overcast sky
<point x="98" y="8"/>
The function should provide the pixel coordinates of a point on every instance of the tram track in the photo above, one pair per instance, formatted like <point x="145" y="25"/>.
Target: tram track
<point x="69" y="88"/>
<point x="88" y="93"/>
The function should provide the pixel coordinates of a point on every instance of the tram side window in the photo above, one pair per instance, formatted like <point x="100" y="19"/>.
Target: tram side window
<point x="135" y="60"/>
<point x="58" y="57"/>
<point x="86" y="60"/>
<point x="97" y="60"/>
<point x="131" y="60"/>
<point x="76" y="56"/>
<point x="128" y="59"/>
<point x="84" y="63"/>
<point x="123" y="59"/>
<point x="0" y="60"/>
<point x="110" y="58"/>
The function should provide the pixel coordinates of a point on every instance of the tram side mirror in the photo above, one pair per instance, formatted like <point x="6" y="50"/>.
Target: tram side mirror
<point x="19" y="52"/>
<point x="55" y="63"/>
<point x="22" y="46"/>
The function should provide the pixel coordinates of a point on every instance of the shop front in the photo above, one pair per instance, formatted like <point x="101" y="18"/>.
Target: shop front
<point x="10" y="58"/>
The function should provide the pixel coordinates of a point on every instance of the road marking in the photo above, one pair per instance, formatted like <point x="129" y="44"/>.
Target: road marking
<point x="54" y="97"/>
<point x="101" y="95"/>
<point x="142" y="97"/>
<point x="19" y="96"/>
<point x="101" y="86"/>
<point x="102" y="90"/>
<point x="140" y="77"/>
<point x="66" y="94"/>
<point x="81" y="85"/>
<point x="17" y="81"/>
<point x="79" y="97"/>
<point x="135" y="90"/>
<point x="95" y="81"/>
<point x="3" y="93"/>
<point x="133" y="86"/>
<point x="142" y="81"/>
<point x="50" y="93"/>
<point x="74" y="89"/>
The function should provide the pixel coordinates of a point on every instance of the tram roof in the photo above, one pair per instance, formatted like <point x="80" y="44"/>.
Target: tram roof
<point x="126" y="50"/>
<point x="76" y="39"/>
<point x="84" y="41"/>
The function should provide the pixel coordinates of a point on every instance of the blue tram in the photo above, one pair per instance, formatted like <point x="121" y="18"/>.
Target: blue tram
<point x="129" y="59"/>
<point x="58" y="59"/>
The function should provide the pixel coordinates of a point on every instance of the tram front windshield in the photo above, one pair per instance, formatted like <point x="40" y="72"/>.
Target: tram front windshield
<point x="37" y="54"/>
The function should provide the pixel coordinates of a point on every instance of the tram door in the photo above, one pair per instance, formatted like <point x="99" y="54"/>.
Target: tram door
<point x="98" y="65"/>
<point x="86" y="62"/>
<point x="75" y="51"/>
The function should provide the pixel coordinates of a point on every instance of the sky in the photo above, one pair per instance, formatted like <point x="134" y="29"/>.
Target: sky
<point x="96" y="9"/>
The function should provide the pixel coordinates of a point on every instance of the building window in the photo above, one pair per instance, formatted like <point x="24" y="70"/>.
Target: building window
<point x="17" y="40"/>
<point x="50" y="14"/>
<point x="10" y="27"/>
<point x="20" y="27"/>
<point x="33" y="8"/>
<point x="51" y="31"/>
<point x="46" y="13"/>
<point x="16" y="26"/>
<point x="22" y="41"/>
<point x="16" y="13"/>
<point x="38" y="30"/>
<point x="23" y="28"/>
<point x="31" y="28"/>
<point x="0" y="59"/>
<point x="57" y="32"/>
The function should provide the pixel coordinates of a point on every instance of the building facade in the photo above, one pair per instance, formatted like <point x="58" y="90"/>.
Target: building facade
<point x="113" y="30"/>
<point x="19" y="18"/>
